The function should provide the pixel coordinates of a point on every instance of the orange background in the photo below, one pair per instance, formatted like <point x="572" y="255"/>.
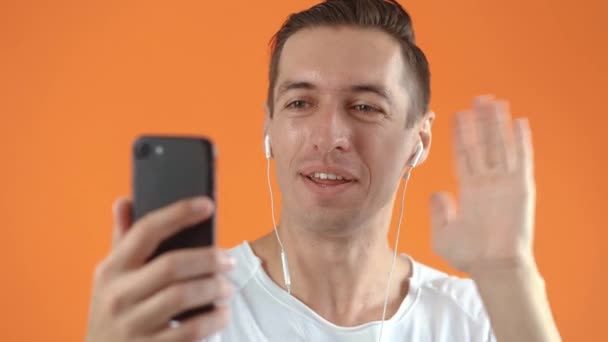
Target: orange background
<point x="79" y="80"/>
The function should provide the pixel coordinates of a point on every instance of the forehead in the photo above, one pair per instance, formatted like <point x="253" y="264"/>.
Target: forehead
<point x="337" y="57"/>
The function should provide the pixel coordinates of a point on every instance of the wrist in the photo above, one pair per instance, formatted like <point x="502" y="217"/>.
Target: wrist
<point x="504" y="269"/>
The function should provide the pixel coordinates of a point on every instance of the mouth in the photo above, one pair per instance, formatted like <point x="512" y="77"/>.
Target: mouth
<point x="326" y="185"/>
<point x="326" y="179"/>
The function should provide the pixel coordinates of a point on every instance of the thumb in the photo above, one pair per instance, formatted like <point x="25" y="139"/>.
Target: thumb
<point x="443" y="210"/>
<point x="122" y="216"/>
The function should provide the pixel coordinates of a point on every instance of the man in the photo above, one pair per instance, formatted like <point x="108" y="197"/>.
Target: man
<point x="347" y="107"/>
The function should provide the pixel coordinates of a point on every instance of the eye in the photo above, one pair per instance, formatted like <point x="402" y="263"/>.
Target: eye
<point x="297" y="104"/>
<point x="366" y="108"/>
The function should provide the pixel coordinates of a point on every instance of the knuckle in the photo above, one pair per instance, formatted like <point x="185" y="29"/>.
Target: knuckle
<point x="169" y="267"/>
<point x="217" y="282"/>
<point x="178" y="213"/>
<point x="142" y="235"/>
<point x="124" y="329"/>
<point x="178" y="296"/>
<point x="183" y="208"/>
<point x="215" y="257"/>
<point x="211" y="324"/>
<point x="114" y="302"/>
<point x="194" y="332"/>
<point x="189" y="334"/>
<point x="101" y="269"/>
<point x="222" y="318"/>
<point x="225" y="288"/>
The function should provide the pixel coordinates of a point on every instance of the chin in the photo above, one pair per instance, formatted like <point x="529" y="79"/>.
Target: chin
<point x="331" y="219"/>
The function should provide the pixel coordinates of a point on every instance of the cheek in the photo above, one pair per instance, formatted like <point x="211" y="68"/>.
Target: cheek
<point x="287" y="139"/>
<point x="384" y="158"/>
<point x="292" y="134"/>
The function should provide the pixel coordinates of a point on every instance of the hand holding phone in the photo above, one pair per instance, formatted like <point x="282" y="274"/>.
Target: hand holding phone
<point x="150" y="278"/>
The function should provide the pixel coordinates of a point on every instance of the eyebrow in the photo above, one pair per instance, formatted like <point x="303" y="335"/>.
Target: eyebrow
<point x="357" y="88"/>
<point x="290" y="85"/>
<point x="372" y="88"/>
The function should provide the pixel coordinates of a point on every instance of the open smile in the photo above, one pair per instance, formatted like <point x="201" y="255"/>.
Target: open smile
<point x="327" y="184"/>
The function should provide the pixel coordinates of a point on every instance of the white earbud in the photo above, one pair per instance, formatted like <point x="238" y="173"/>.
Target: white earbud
<point x="414" y="162"/>
<point x="267" y="149"/>
<point x="416" y="158"/>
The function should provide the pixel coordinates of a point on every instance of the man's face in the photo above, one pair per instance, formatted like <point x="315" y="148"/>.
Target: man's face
<point x="338" y="129"/>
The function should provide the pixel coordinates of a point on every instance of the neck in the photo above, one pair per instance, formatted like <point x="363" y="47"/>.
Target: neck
<point x="341" y="275"/>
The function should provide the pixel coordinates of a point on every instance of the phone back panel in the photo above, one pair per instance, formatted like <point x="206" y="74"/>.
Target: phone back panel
<point x="167" y="169"/>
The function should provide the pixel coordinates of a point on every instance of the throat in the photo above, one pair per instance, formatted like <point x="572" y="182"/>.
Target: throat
<point x="351" y="298"/>
<point x="360" y="311"/>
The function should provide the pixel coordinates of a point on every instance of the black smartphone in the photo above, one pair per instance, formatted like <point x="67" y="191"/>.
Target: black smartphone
<point x="167" y="169"/>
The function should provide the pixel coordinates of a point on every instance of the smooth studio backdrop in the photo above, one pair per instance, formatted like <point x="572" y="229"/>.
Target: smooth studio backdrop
<point x="80" y="79"/>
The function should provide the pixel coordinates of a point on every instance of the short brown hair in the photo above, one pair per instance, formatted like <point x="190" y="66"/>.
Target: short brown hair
<point x="386" y="15"/>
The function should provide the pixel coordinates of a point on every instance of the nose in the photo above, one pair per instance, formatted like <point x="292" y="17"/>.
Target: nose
<point x="331" y="131"/>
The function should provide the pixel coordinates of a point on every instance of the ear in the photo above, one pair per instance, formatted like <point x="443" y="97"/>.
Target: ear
<point x="424" y="135"/>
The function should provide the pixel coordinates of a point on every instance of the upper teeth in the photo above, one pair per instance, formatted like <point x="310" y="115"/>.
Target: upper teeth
<point x="322" y="175"/>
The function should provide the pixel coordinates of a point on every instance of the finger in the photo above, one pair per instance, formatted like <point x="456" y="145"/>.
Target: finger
<point x="492" y="124"/>
<point x="155" y="312"/>
<point x="174" y="267"/>
<point x="122" y="217"/>
<point x="524" y="152"/>
<point x="197" y="328"/>
<point x="443" y="210"/>
<point x="150" y="230"/>
<point x="465" y="151"/>
<point x="503" y="125"/>
<point x="443" y="213"/>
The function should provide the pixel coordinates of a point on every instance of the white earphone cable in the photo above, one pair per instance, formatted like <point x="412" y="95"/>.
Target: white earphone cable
<point x="286" y="275"/>
<point x="274" y="222"/>
<point x="390" y="275"/>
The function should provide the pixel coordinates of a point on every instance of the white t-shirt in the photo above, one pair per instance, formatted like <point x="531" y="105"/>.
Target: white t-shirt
<point x="438" y="308"/>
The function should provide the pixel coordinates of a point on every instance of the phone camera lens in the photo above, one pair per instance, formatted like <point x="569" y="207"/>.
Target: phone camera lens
<point x="142" y="151"/>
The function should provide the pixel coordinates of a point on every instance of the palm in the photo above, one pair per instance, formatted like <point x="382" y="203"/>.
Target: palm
<point x="493" y="219"/>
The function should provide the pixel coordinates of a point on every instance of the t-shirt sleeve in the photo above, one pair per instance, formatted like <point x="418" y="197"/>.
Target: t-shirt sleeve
<point x="491" y="337"/>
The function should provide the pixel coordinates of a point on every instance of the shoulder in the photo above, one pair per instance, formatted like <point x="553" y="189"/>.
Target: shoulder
<point x="247" y="264"/>
<point x="450" y="292"/>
